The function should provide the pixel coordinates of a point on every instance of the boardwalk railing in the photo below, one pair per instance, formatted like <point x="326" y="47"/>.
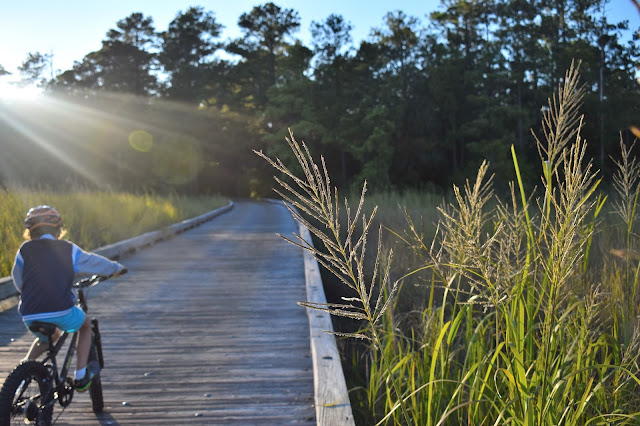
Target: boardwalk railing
<point x="331" y="395"/>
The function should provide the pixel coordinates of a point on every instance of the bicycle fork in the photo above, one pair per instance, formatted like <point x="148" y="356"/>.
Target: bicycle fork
<point x="97" y="341"/>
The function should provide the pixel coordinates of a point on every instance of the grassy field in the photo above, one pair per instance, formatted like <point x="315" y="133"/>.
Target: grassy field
<point x="94" y="219"/>
<point x="519" y="310"/>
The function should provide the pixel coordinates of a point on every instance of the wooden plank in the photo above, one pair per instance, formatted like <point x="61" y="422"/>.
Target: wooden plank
<point x="204" y="329"/>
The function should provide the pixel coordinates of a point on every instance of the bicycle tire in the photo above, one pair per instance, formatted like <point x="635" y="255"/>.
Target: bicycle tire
<point x="95" y="389"/>
<point x="20" y="399"/>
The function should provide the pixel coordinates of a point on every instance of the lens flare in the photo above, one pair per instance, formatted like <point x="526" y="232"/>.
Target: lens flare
<point x="140" y="140"/>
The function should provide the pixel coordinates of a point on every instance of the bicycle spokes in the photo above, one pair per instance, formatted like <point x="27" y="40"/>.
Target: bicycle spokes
<point x="27" y="400"/>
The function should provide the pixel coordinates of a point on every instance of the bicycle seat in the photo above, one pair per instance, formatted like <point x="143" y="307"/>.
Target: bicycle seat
<point x="45" y="328"/>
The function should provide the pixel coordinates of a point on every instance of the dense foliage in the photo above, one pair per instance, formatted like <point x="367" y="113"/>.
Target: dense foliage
<point x="419" y="103"/>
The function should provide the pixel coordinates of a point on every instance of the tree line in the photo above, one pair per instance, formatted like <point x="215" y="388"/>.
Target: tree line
<point x="418" y="104"/>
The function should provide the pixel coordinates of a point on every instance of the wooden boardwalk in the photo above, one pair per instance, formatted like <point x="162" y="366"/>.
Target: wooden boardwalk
<point x="203" y="330"/>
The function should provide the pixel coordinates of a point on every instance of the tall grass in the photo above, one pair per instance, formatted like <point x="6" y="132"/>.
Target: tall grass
<point x="94" y="219"/>
<point x="518" y="327"/>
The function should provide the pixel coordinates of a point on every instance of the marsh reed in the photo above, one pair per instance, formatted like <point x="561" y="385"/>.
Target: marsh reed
<point x="94" y="219"/>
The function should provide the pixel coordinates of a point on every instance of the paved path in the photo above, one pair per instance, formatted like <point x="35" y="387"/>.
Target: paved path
<point x="203" y="330"/>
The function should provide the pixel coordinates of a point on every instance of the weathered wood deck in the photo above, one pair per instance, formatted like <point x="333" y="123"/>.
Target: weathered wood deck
<point x="203" y="330"/>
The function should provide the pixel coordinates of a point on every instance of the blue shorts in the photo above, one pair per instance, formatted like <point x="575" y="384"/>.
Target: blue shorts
<point x="70" y="322"/>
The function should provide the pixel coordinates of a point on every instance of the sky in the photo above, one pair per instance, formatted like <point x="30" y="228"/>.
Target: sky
<point x="70" y="29"/>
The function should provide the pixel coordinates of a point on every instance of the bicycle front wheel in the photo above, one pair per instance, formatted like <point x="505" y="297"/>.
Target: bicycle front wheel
<point x="25" y="396"/>
<point x="95" y="389"/>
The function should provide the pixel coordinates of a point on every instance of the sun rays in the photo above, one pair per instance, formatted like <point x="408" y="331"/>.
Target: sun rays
<point x="100" y="141"/>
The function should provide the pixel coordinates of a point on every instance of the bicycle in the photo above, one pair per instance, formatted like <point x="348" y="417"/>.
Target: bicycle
<point x="33" y="387"/>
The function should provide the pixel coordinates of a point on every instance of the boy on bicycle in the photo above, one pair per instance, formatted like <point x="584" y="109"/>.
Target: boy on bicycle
<point x="43" y="273"/>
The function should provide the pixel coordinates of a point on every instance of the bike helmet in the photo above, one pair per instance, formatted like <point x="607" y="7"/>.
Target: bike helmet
<point x="42" y="216"/>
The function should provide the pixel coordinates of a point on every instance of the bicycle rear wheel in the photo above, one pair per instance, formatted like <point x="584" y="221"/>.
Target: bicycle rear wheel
<point x="23" y="395"/>
<point x="95" y="389"/>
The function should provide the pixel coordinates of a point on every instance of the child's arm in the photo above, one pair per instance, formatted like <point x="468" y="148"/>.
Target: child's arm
<point x="92" y="263"/>
<point x="16" y="271"/>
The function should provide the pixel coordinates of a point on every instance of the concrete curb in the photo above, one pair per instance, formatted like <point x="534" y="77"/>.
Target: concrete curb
<point x="117" y="250"/>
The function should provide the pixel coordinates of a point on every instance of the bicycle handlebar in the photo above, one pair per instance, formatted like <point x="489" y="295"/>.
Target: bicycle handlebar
<point x="95" y="279"/>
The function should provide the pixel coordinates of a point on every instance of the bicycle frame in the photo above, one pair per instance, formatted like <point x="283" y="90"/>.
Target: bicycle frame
<point x="58" y="377"/>
<point x="54" y="349"/>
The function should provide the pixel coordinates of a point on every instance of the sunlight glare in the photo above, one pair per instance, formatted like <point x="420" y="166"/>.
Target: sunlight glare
<point x="13" y="92"/>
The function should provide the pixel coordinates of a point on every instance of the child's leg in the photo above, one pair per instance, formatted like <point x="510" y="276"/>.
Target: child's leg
<point x="84" y="344"/>
<point x="38" y="347"/>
